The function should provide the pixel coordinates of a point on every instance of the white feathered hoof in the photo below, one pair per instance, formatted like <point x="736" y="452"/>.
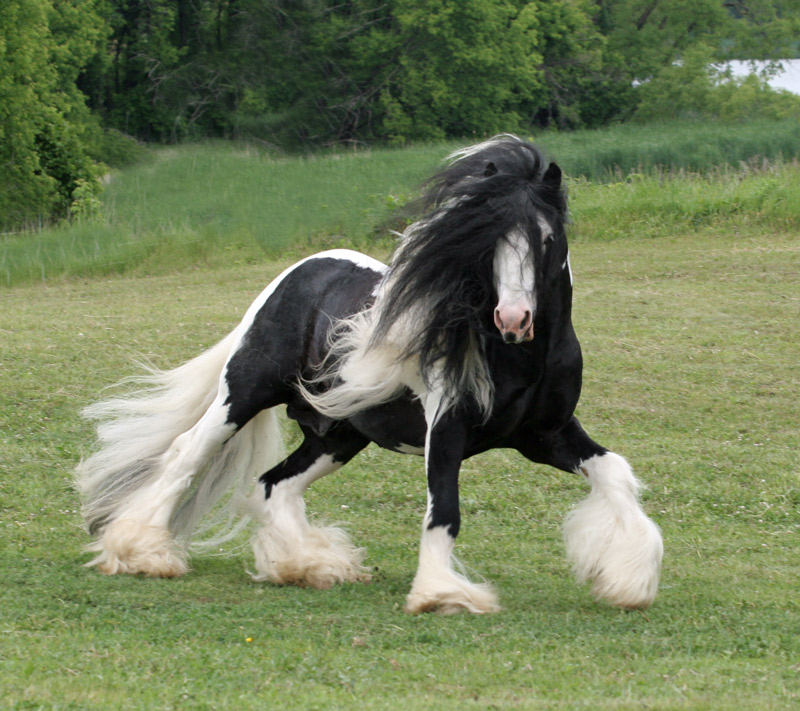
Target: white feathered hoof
<point x="447" y="592"/>
<point x="609" y="539"/>
<point x="438" y="587"/>
<point x="321" y="558"/>
<point x="128" y="546"/>
<point x="623" y="566"/>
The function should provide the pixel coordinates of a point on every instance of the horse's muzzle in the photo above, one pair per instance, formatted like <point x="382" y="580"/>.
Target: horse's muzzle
<point x="513" y="338"/>
<point x="515" y="324"/>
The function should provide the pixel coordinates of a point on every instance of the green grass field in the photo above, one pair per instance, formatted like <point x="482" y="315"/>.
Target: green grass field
<point x="691" y="348"/>
<point x="688" y="320"/>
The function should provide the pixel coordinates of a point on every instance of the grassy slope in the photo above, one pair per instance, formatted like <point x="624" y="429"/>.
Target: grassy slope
<point x="217" y="204"/>
<point x="214" y="205"/>
<point x="691" y="372"/>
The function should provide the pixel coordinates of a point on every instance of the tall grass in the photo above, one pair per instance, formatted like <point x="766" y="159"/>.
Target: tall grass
<point x="756" y="196"/>
<point x="218" y="203"/>
<point x="691" y="146"/>
<point x="215" y="204"/>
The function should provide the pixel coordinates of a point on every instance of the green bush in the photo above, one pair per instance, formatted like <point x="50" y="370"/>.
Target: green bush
<point x="45" y="127"/>
<point x="116" y="150"/>
<point x="63" y="156"/>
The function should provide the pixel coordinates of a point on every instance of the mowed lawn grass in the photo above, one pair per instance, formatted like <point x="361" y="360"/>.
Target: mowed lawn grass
<point x="691" y="348"/>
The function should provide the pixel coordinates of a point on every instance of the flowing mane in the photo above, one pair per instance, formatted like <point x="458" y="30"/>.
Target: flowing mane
<point x="433" y="311"/>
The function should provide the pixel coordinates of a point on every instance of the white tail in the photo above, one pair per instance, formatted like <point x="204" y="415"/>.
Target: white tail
<point x="122" y="483"/>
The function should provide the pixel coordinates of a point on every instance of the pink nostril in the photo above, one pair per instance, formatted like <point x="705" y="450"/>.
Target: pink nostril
<point x="525" y="321"/>
<point x="498" y="321"/>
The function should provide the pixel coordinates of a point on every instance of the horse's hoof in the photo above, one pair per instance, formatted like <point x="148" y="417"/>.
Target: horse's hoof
<point x="128" y="546"/>
<point x="477" y="599"/>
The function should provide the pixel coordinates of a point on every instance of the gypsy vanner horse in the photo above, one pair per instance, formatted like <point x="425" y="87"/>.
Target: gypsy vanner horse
<point x="462" y="344"/>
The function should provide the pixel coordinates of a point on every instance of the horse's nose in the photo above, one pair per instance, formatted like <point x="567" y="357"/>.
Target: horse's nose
<point x="514" y="323"/>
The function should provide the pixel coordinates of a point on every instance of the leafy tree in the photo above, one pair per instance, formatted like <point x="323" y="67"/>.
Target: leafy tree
<point x="45" y="127"/>
<point x="679" y="90"/>
<point x="579" y="89"/>
<point x="128" y="90"/>
<point x="25" y="191"/>
<point x="332" y="71"/>
<point x="649" y="34"/>
<point x="313" y="71"/>
<point x="645" y="38"/>
<point x="763" y="29"/>
<point x="693" y="88"/>
<point x="468" y="67"/>
<point x="323" y="71"/>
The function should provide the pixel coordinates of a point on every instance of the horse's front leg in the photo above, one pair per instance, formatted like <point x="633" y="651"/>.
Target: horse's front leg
<point x="610" y="541"/>
<point x="437" y="585"/>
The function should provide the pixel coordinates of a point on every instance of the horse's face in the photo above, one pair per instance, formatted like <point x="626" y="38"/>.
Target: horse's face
<point x="526" y="253"/>
<point x="515" y="272"/>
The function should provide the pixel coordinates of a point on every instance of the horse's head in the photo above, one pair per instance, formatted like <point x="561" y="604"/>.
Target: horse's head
<point x="524" y="254"/>
<point x="487" y="257"/>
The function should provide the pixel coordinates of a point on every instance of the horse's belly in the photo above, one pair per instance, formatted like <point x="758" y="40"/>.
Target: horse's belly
<point x="398" y="426"/>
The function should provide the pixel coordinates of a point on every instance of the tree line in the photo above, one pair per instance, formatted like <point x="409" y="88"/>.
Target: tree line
<point x="77" y="75"/>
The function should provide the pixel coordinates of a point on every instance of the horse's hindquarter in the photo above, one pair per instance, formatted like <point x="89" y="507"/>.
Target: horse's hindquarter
<point x="287" y="328"/>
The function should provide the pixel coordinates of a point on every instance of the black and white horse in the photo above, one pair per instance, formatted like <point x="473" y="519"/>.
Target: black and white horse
<point x="462" y="344"/>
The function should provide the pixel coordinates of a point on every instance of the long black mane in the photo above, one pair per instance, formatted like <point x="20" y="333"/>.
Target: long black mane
<point x="442" y="273"/>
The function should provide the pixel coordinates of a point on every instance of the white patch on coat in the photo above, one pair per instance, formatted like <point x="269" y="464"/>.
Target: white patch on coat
<point x="514" y="274"/>
<point x="568" y="266"/>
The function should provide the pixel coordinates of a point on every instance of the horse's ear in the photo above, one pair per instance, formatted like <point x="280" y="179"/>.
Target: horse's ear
<point x="552" y="192"/>
<point x="491" y="169"/>
<point x="552" y="176"/>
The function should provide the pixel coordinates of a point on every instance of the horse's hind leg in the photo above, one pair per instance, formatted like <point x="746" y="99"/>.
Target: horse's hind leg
<point x="138" y="538"/>
<point x="288" y="549"/>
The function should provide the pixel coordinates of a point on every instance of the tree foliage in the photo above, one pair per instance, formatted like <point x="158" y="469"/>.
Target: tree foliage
<point x="467" y="68"/>
<point x="695" y="88"/>
<point x="45" y="126"/>
<point x="317" y="72"/>
<point x="327" y="71"/>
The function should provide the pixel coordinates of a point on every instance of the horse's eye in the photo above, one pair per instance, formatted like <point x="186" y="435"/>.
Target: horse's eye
<point x="548" y="239"/>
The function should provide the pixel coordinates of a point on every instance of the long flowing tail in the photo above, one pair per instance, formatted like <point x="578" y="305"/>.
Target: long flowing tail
<point x="137" y="434"/>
